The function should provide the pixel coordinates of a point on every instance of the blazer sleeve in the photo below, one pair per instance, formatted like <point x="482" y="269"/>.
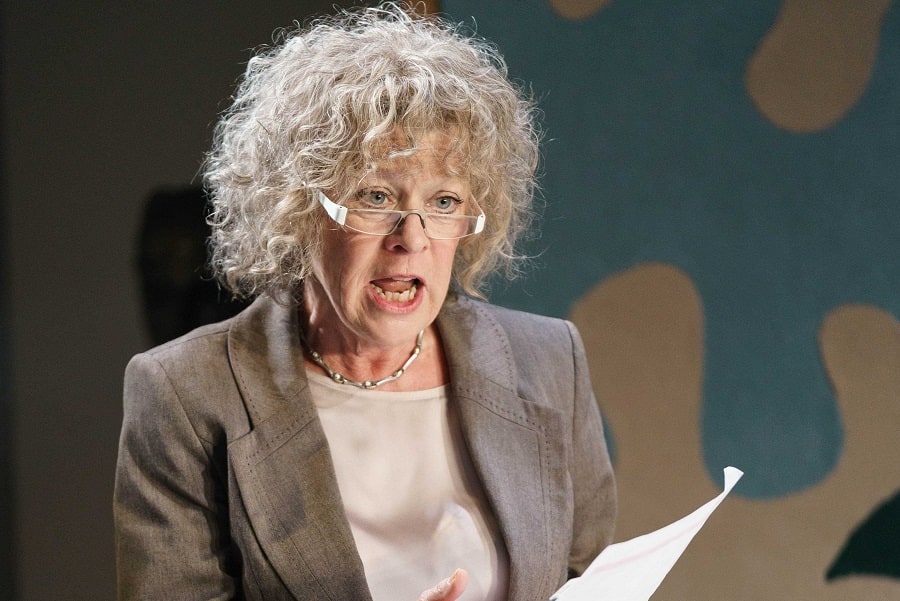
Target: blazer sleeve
<point x="168" y="503"/>
<point x="593" y="482"/>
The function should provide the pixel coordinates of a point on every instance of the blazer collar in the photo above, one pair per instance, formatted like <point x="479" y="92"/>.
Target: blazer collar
<point x="286" y="477"/>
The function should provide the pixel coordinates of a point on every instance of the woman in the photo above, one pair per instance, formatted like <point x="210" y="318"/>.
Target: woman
<point x="365" y="428"/>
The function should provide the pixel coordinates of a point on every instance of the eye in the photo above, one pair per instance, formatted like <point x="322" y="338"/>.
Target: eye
<point x="373" y="198"/>
<point x="447" y="204"/>
<point x="377" y="197"/>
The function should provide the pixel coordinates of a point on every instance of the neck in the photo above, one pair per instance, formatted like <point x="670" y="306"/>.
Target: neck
<point x="347" y="347"/>
<point x="427" y="370"/>
<point x="367" y="358"/>
<point x="370" y="383"/>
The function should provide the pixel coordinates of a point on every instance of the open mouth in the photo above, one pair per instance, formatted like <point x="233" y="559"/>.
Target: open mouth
<point x="396" y="290"/>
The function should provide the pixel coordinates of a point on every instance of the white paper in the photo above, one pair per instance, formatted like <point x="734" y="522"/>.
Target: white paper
<point x="632" y="570"/>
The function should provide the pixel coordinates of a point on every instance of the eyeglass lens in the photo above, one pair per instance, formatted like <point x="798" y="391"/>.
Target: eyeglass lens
<point x="383" y="222"/>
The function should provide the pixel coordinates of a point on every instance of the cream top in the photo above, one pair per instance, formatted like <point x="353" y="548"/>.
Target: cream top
<point x="416" y="508"/>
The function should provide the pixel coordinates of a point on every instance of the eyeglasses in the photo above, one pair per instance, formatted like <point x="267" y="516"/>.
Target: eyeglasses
<point x="382" y="222"/>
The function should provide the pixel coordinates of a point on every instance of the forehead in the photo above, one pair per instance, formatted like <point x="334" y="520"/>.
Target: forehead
<point x="434" y="151"/>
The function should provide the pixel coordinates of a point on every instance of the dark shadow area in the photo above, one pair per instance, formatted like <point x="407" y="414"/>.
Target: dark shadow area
<point x="7" y="573"/>
<point x="177" y="289"/>
<point x="874" y="547"/>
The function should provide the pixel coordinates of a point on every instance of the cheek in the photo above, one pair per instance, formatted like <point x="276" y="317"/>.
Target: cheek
<point x="353" y="261"/>
<point x="333" y="265"/>
<point x="445" y="260"/>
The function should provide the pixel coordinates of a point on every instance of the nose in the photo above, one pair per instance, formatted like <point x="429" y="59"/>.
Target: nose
<point x="409" y="235"/>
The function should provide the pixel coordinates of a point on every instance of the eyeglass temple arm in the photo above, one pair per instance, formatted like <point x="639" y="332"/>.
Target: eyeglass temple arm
<point x="334" y="210"/>
<point x="479" y="224"/>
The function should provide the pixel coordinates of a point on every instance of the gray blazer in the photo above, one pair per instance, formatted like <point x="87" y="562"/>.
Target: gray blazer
<point x="225" y="487"/>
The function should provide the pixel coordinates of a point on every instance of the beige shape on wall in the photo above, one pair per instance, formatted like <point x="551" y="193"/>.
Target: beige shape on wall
<point x="815" y="62"/>
<point x="577" y="10"/>
<point x="860" y="346"/>
<point x="643" y="330"/>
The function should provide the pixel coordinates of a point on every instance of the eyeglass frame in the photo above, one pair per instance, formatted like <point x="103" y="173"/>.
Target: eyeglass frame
<point x="338" y="214"/>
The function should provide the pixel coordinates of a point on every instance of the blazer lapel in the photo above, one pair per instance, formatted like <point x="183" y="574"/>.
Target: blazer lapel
<point x="509" y="440"/>
<point x="283" y="467"/>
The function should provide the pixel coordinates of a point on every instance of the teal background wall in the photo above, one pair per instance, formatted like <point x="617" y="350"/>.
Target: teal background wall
<point x="655" y="152"/>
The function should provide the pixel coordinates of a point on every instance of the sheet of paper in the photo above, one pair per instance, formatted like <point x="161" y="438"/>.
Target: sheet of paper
<point x="632" y="570"/>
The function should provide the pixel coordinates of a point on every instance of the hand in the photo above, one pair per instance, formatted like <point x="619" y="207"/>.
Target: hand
<point x="448" y="589"/>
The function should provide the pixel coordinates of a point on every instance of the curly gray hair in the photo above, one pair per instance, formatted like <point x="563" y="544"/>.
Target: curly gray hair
<point x="318" y="107"/>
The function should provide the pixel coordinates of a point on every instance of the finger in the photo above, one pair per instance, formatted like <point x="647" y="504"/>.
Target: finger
<point x="448" y="589"/>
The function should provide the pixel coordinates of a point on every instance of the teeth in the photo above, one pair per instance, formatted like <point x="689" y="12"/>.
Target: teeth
<point x="396" y="297"/>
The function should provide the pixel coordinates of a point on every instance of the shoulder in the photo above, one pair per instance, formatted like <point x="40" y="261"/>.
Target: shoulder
<point x="535" y="355"/>
<point x="189" y="376"/>
<point x="217" y="373"/>
<point x="522" y="328"/>
<point x="193" y="353"/>
<point x="204" y="338"/>
<point x="208" y="347"/>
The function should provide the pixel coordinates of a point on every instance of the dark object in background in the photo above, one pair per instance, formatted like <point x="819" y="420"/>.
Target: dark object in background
<point x="178" y="292"/>
<point x="874" y="547"/>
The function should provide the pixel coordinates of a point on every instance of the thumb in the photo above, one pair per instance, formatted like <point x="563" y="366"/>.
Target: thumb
<point x="448" y="589"/>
